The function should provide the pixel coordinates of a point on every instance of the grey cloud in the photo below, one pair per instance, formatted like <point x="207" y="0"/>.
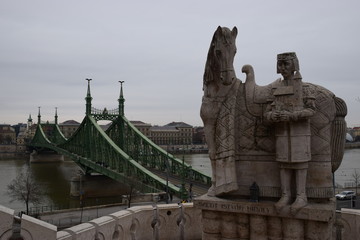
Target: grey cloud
<point x="159" y="49"/>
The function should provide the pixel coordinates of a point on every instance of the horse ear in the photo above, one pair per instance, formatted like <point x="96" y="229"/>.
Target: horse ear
<point x="218" y="31"/>
<point x="234" y="32"/>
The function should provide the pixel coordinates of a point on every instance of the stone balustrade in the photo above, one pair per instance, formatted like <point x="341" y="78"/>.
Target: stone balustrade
<point x="166" y="221"/>
<point x="348" y="224"/>
<point x="142" y="222"/>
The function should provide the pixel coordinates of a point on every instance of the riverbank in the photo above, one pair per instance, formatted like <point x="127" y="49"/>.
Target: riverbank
<point x="9" y="151"/>
<point x="64" y="218"/>
<point x="185" y="149"/>
<point x="350" y="145"/>
<point x="14" y="155"/>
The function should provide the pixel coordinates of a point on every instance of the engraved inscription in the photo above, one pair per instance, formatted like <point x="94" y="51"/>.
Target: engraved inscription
<point x="234" y="207"/>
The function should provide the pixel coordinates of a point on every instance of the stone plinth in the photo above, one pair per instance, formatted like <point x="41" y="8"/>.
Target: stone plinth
<point x="97" y="186"/>
<point x="46" y="157"/>
<point x="241" y="219"/>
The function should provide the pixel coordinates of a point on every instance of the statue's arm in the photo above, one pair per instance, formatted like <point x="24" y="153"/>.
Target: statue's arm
<point x="309" y="106"/>
<point x="303" y="114"/>
<point x="270" y="115"/>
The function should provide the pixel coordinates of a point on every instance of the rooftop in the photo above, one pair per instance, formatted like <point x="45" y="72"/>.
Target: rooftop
<point x="70" y="122"/>
<point x="179" y="125"/>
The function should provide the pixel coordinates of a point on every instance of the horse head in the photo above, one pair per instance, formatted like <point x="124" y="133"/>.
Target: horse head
<point x="219" y="65"/>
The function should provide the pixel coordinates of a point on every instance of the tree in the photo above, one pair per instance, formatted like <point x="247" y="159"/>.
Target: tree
<point x="356" y="178"/>
<point x="25" y="189"/>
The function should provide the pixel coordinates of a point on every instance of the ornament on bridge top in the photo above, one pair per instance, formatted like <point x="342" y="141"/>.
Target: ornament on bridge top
<point x="256" y="132"/>
<point x="104" y="114"/>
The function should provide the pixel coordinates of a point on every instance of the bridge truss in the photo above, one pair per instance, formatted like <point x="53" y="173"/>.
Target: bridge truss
<point x="121" y="152"/>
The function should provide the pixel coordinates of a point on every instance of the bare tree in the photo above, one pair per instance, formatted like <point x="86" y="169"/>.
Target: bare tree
<point x="25" y="189"/>
<point x="356" y="178"/>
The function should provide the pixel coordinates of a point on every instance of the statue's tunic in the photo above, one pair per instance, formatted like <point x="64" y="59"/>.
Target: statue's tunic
<point x="293" y="137"/>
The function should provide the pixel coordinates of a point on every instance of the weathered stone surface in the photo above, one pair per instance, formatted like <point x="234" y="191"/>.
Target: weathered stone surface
<point x="64" y="235"/>
<point x="286" y="138"/>
<point x="346" y="227"/>
<point x="32" y="228"/>
<point x="142" y="222"/>
<point x="240" y="218"/>
<point x="249" y="141"/>
<point x="6" y="222"/>
<point x="82" y="231"/>
<point x="349" y="223"/>
<point x="218" y="110"/>
<point x="313" y="211"/>
<point x="105" y="227"/>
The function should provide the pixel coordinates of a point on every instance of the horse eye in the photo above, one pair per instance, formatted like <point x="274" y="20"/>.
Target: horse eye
<point x="218" y="52"/>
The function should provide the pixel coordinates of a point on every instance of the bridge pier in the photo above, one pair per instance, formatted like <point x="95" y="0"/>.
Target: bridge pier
<point x="97" y="186"/>
<point x="46" y="157"/>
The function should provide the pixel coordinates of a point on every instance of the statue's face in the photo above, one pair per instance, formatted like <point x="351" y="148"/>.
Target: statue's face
<point x="225" y="50"/>
<point x="286" y="68"/>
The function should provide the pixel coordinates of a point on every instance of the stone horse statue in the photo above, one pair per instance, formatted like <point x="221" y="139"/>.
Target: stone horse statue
<point x="219" y="86"/>
<point x="242" y="146"/>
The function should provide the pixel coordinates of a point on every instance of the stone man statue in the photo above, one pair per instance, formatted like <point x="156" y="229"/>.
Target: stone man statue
<point x="291" y="105"/>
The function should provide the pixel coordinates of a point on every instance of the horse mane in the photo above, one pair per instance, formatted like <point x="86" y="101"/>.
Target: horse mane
<point x="211" y="64"/>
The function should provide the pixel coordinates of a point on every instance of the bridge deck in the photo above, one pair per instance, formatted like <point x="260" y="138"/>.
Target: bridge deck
<point x="198" y="188"/>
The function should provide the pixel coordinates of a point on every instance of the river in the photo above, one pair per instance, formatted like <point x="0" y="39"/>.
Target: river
<point x="55" y="177"/>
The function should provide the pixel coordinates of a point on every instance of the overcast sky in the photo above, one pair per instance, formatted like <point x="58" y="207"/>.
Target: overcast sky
<point x="159" y="48"/>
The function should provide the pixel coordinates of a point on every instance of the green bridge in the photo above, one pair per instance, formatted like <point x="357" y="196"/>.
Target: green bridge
<point x="121" y="152"/>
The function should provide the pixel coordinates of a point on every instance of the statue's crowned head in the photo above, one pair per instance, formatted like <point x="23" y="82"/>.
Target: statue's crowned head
<point x="288" y="56"/>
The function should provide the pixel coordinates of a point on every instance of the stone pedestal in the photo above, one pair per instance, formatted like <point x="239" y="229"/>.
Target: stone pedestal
<point x="241" y="219"/>
<point x="97" y="186"/>
<point x="45" y="157"/>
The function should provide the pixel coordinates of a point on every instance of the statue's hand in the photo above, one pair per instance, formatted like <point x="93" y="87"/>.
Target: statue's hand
<point x="303" y="114"/>
<point x="275" y="116"/>
<point x="295" y="116"/>
<point x="285" y="116"/>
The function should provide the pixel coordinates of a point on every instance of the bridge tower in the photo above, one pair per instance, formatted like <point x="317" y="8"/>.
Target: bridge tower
<point x="88" y="98"/>
<point x="121" y="113"/>
<point x="39" y="117"/>
<point x="56" y="116"/>
<point x="121" y="99"/>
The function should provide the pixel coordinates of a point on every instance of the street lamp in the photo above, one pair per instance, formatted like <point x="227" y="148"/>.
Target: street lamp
<point x="183" y="192"/>
<point x="167" y="177"/>
<point x="81" y="197"/>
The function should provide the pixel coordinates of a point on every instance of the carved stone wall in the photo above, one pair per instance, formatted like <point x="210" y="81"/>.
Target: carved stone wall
<point x="255" y="144"/>
<point x="240" y="219"/>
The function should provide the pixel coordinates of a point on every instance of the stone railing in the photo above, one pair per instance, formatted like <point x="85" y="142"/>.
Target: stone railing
<point x="166" y="221"/>
<point x="169" y="221"/>
<point x="348" y="222"/>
